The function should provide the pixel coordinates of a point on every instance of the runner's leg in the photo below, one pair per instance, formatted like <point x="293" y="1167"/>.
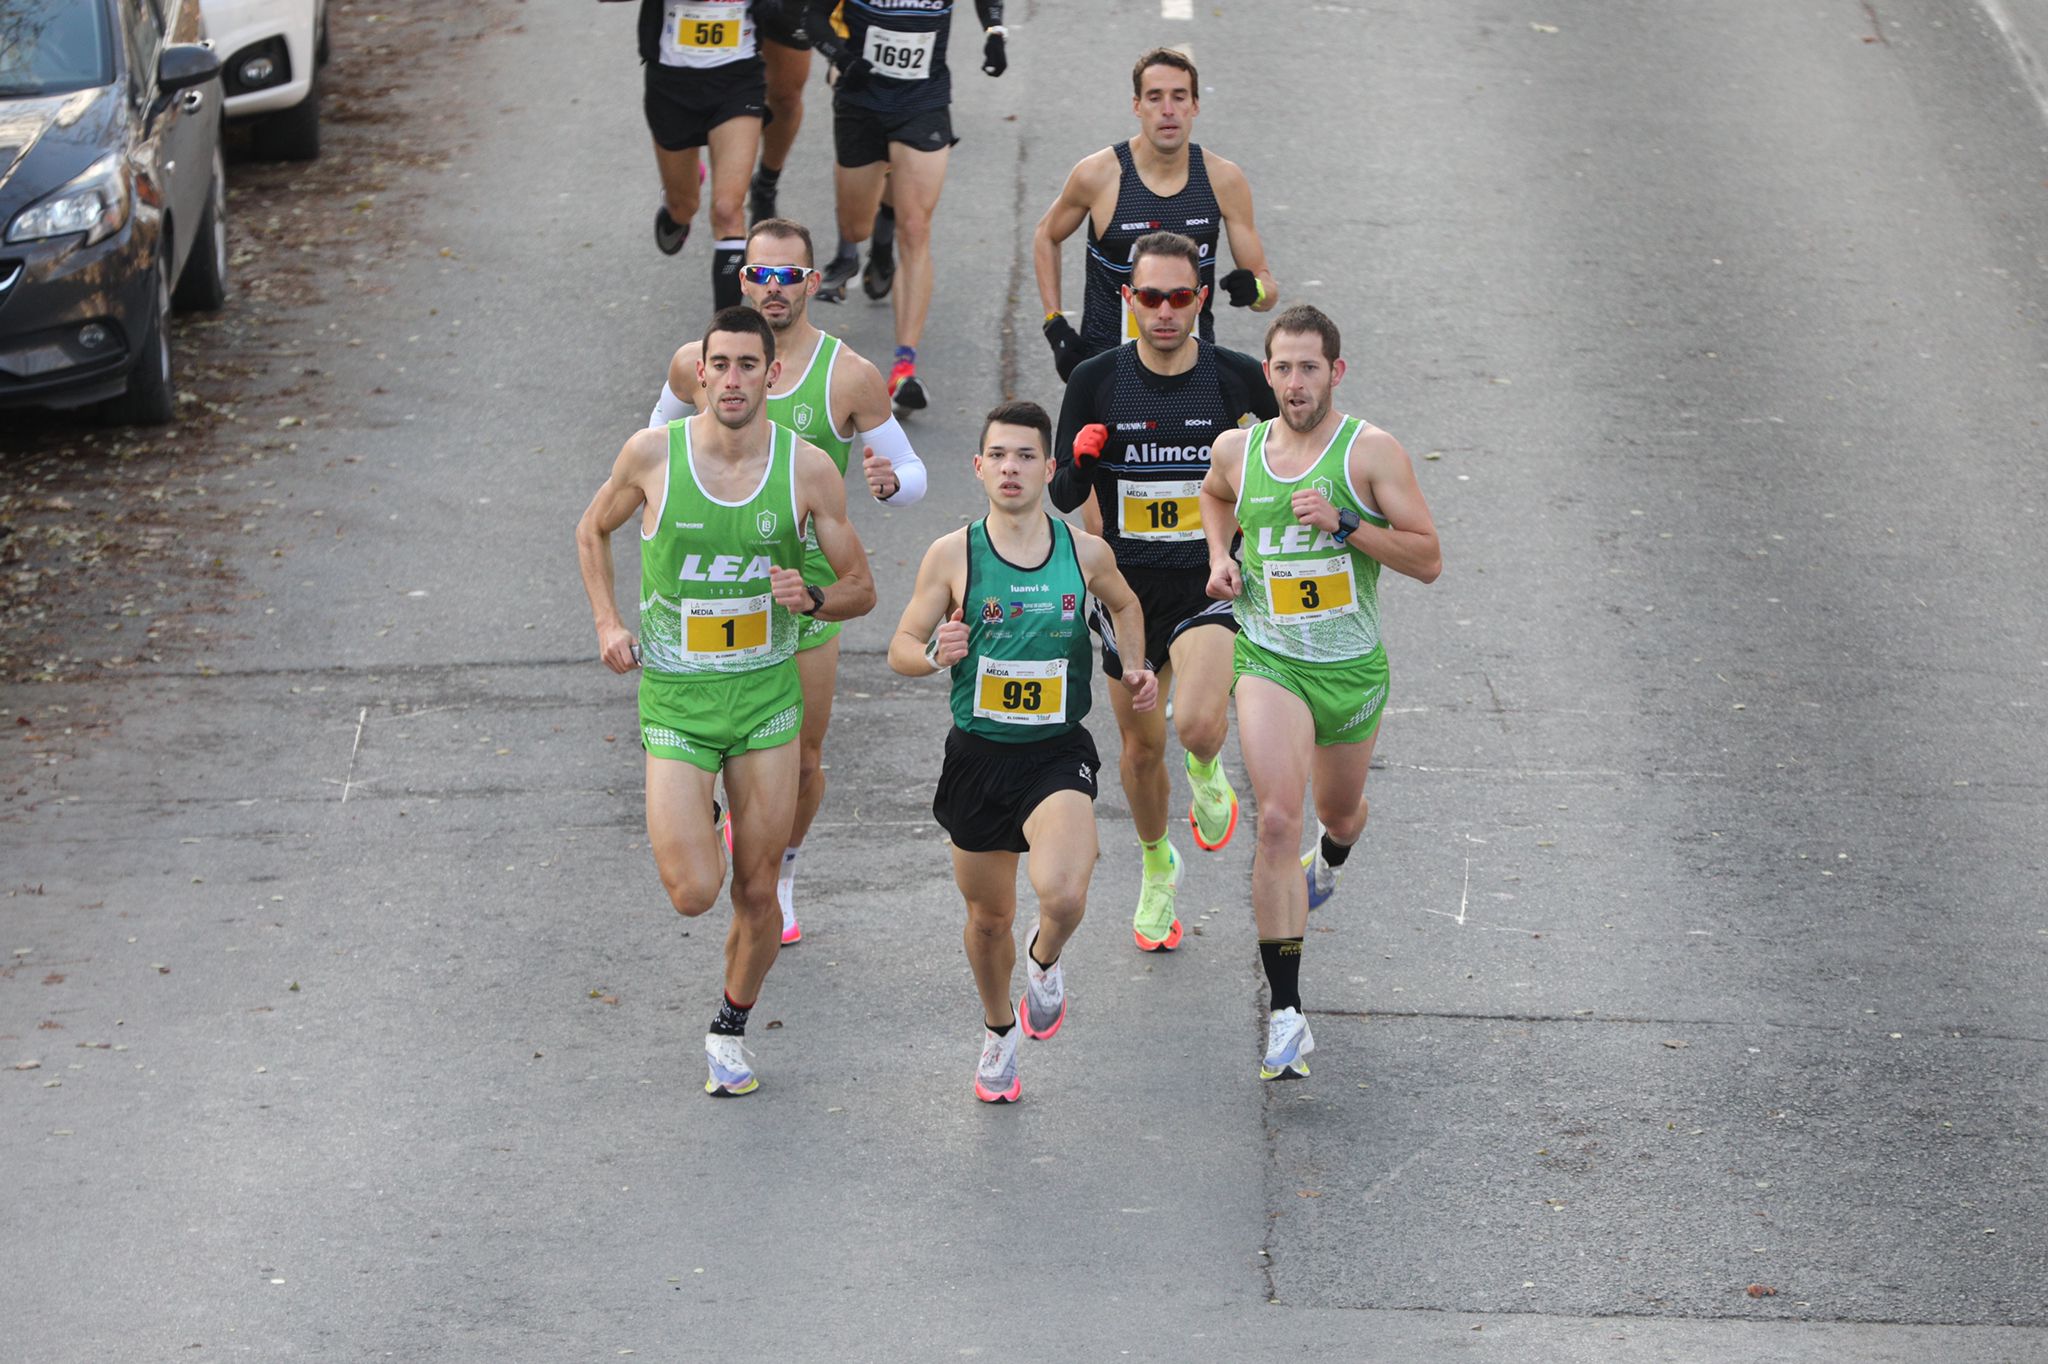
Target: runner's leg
<point x="988" y="882"/>
<point x="916" y="178"/>
<point x="684" y="840"/>
<point x="1201" y="658"/>
<point x="733" y="145"/>
<point x="761" y="785"/>
<point x="788" y="69"/>
<point x="1064" y="825"/>
<point x="1277" y="736"/>
<point x="1143" y="762"/>
<point x="679" y="181"/>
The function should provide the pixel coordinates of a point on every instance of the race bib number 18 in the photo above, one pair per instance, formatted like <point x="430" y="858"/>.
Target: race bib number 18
<point x="1159" y="511"/>
<point x="1021" y="692"/>
<point x="900" y="56"/>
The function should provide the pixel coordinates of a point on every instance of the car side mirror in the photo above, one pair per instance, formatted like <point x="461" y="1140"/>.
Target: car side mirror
<point x="184" y="65"/>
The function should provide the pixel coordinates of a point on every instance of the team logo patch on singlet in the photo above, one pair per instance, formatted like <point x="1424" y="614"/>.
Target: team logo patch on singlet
<point x="765" y="523"/>
<point x="803" y="415"/>
<point x="991" y="611"/>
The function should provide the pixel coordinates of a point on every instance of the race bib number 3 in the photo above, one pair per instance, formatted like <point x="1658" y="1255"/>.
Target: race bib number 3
<point x="900" y="56"/>
<point x="1014" y="692"/>
<point x="1159" y="511"/>
<point x="1304" y="591"/>
<point x="734" y="628"/>
<point x="704" y="28"/>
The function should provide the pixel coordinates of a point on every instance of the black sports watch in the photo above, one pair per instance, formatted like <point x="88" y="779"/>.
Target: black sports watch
<point x="818" y="594"/>
<point x="1347" y="521"/>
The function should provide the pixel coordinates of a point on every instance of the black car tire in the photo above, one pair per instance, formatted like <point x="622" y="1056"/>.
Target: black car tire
<point x="294" y="133"/>
<point x="150" y="398"/>
<point x="204" y="285"/>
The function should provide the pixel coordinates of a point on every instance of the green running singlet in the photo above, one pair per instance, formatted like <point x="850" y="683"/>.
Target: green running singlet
<point x="807" y="410"/>
<point x="1305" y="596"/>
<point x="1028" y="671"/>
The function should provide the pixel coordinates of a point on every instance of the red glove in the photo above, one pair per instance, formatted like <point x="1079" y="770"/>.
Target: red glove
<point x="1088" y="442"/>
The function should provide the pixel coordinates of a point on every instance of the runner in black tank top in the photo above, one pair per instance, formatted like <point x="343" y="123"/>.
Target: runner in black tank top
<point x="1157" y="181"/>
<point x="1134" y="441"/>
<point x="1193" y="213"/>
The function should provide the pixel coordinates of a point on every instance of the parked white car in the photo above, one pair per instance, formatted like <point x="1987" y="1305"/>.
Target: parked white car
<point x="271" y="52"/>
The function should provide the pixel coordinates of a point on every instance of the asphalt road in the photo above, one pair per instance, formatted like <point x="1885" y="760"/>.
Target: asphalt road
<point x="1697" y="941"/>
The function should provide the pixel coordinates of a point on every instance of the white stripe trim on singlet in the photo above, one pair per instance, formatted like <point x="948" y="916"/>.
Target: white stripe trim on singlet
<point x="840" y="348"/>
<point x="803" y="523"/>
<point x="690" y="454"/>
<point x="1358" y="496"/>
<point x="668" y="470"/>
<point x="1265" y="464"/>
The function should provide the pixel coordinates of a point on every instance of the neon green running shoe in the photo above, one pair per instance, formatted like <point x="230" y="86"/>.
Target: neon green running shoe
<point x="1213" y="811"/>
<point x="1155" y="926"/>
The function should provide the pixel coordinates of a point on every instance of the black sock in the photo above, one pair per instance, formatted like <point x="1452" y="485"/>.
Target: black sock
<point x="1031" y="950"/>
<point x="767" y="174"/>
<point x="726" y="258"/>
<point x="1334" y="852"/>
<point x="885" y="229"/>
<point x="731" y="1019"/>
<point x="1003" y="1031"/>
<point x="847" y="254"/>
<point x="1282" y="959"/>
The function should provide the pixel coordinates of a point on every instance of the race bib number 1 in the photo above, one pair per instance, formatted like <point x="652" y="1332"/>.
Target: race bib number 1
<point x="1304" y="591"/>
<point x="1021" y="692"/>
<point x="1159" y="511"/>
<point x="701" y="28"/>
<point x="900" y="56"/>
<point x="731" y="628"/>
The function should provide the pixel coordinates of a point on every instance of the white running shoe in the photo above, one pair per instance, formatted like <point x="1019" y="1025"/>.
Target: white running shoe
<point x="1322" y="877"/>
<point x="995" y="1079"/>
<point x="1288" y="1044"/>
<point x="1044" y="1006"/>
<point x="731" y="1076"/>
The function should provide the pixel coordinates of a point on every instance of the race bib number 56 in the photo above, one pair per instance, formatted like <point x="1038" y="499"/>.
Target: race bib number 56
<point x="702" y="27"/>
<point x="900" y="56"/>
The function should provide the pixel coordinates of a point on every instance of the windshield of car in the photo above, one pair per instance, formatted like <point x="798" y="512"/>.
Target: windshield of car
<point x="53" y="47"/>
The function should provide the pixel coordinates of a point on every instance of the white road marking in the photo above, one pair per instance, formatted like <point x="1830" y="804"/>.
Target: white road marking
<point x="362" y="717"/>
<point x="1176" y="9"/>
<point x="2023" y="56"/>
<point x="1464" y="896"/>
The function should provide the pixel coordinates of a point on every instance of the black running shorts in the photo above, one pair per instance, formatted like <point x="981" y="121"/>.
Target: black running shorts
<point x="1175" y="600"/>
<point x="685" y="103"/>
<point x="988" y="789"/>
<point x="862" y="136"/>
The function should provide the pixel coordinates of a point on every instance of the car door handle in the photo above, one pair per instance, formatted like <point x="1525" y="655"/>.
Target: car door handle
<point x="191" y="100"/>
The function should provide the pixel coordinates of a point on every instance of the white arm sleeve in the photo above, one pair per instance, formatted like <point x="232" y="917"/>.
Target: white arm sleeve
<point x="889" y="441"/>
<point x="669" y="409"/>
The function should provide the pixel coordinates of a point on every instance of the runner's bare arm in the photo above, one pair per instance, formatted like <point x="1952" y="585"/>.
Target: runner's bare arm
<point x="821" y="496"/>
<point x="681" y="388"/>
<point x="932" y="635"/>
<point x="1219" y="512"/>
<point x="1084" y="185"/>
<point x="622" y="493"/>
<point x="1247" y="252"/>
<point x="894" y="473"/>
<point x="1381" y="469"/>
<point x="1098" y="568"/>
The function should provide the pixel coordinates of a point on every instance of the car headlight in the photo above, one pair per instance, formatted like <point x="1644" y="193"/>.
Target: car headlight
<point x="94" y="203"/>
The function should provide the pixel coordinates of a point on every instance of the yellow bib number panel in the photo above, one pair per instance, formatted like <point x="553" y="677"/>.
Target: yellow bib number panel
<point x="1159" y="511"/>
<point x="707" y="28"/>
<point x="1021" y="692"/>
<point x="729" y="629"/>
<point x="1304" y="591"/>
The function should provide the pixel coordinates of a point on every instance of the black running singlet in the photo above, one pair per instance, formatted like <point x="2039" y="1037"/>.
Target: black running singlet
<point x="905" y="42"/>
<point x="1150" y="474"/>
<point x="1193" y="212"/>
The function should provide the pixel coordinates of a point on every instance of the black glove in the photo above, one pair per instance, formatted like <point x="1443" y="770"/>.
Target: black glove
<point x="1067" y="348"/>
<point x="994" y="60"/>
<point x="854" y="75"/>
<point x="1242" y="286"/>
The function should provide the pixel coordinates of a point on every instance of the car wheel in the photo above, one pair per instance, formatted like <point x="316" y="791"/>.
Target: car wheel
<point x="149" y="398"/>
<point x="204" y="285"/>
<point x="294" y="133"/>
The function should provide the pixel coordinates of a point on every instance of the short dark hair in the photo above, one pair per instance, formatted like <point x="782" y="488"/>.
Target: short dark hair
<point x="741" y="320"/>
<point x="1164" y="56"/>
<point x="1017" y="412"/>
<point x="1167" y="244"/>
<point x="1306" y="319"/>
<point x="787" y="228"/>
